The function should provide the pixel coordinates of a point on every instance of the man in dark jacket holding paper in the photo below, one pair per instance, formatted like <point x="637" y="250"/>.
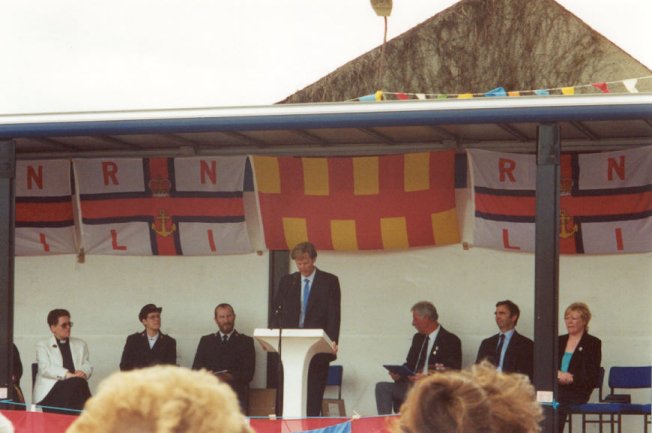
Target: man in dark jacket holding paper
<point x="433" y="349"/>
<point x="228" y="354"/>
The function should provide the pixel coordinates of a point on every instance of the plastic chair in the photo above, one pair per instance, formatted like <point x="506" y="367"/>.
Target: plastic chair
<point x="587" y="409"/>
<point x="616" y="405"/>
<point x="335" y="374"/>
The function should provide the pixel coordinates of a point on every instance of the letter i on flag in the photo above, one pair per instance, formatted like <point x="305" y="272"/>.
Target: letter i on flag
<point x="163" y="206"/>
<point x="44" y="208"/>
<point x="360" y="203"/>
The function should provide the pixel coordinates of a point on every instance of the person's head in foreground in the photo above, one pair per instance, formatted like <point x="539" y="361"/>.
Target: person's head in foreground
<point x="478" y="400"/>
<point x="162" y="399"/>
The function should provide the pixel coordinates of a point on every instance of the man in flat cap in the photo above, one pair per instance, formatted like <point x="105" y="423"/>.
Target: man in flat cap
<point x="151" y="346"/>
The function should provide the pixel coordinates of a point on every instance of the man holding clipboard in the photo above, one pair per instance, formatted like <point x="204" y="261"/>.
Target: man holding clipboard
<point x="433" y="349"/>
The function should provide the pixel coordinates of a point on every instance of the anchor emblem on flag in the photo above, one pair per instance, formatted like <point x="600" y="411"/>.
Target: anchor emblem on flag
<point x="567" y="228"/>
<point x="163" y="224"/>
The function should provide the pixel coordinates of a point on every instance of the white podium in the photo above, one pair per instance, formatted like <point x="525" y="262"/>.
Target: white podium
<point x="298" y="348"/>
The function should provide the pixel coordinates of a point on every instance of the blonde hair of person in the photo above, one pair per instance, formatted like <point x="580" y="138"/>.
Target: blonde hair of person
<point x="584" y="311"/>
<point x="162" y="399"/>
<point x="512" y="400"/>
<point x="445" y="403"/>
<point x="479" y="400"/>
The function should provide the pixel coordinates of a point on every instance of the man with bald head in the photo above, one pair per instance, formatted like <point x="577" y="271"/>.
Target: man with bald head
<point x="227" y="353"/>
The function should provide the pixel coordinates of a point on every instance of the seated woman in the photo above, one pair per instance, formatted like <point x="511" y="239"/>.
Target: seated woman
<point x="580" y="355"/>
<point x="479" y="400"/>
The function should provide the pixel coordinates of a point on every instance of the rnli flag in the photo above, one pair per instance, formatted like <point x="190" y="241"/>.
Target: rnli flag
<point x="45" y="221"/>
<point x="163" y="206"/>
<point x="359" y="203"/>
<point x="605" y="202"/>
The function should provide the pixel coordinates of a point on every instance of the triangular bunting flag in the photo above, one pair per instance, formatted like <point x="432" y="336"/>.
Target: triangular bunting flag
<point x="601" y="86"/>
<point x="630" y="85"/>
<point x="498" y="91"/>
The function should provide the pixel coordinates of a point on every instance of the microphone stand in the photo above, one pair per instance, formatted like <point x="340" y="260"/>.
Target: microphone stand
<point x="279" y="323"/>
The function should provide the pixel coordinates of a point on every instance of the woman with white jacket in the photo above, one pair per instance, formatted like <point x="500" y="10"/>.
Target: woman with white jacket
<point x="63" y="367"/>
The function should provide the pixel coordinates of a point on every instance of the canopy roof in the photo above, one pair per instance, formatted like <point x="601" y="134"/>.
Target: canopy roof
<point x="588" y="122"/>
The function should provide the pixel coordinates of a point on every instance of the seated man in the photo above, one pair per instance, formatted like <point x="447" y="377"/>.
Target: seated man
<point x="151" y="346"/>
<point x="63" y="367"/>
<point x="18" y="398"/>
<point x="508" y="350"/>
<point x="227" y="353"/>
<point x="433" y="349"/>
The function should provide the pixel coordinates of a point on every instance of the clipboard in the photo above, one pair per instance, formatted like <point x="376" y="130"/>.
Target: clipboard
<point x="401" y="370"/>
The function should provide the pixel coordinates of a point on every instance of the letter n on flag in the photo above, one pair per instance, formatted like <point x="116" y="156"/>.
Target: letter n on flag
<point x="163" y="206"/>
<point x="605" y="202"/>
<point x="45" y="222"/>
<point x="358" y="203"/>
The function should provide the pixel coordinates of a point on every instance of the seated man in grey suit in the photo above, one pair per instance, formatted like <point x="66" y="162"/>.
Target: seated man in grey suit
<point x="508" y="350"/>
<point x="433" y="349"/>
<point x="63" y="367"/>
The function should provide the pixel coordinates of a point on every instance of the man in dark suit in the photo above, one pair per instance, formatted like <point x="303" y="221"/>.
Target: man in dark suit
<point x="433" y="349"/>
<point x="508" y="350"/>
<point x="310" y="298"/>
<point x="228" y="354"/>
<point x="151" y="346"/>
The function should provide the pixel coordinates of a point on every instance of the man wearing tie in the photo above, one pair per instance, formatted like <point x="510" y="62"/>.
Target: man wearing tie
<point x="228" y="354"/>
<point x="433" y="349"/>
<point x="508" y="350"/>
<point x="310" y="298"/>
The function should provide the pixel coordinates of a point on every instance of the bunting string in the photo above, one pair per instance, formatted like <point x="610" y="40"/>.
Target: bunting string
<point x="630" y="85"/>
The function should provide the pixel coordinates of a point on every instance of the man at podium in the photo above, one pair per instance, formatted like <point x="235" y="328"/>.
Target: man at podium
<point x="310" y="298"/>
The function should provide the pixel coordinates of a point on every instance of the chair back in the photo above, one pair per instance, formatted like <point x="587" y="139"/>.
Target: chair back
<point x="34" y="373"/>
<point x="630" y="377"/>
<point x="599" y="382"/>
<point x="335" y="373"/>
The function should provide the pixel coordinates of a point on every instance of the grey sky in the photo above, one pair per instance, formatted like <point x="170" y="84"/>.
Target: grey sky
<point x="80" y="55"/>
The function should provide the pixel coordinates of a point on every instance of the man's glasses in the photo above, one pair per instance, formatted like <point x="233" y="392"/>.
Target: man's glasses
<point x="66" y="325"/>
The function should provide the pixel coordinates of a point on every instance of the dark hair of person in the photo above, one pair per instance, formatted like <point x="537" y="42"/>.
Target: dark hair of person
<point x="224" y="305"/>
<point x="53" y="316"/>
<point x="512" y="307"/>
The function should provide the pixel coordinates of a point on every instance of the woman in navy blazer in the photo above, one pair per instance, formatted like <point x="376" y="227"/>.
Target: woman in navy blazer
<point x="580" y="355"/>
